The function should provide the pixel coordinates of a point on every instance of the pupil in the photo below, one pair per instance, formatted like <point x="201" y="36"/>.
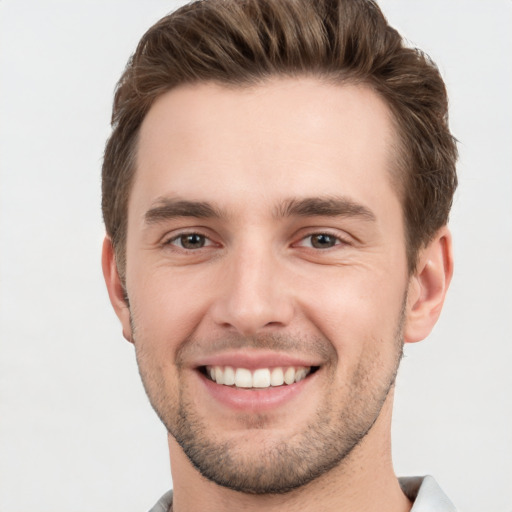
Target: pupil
<point x="193" y="241"/>
<point x="322" y="241"/>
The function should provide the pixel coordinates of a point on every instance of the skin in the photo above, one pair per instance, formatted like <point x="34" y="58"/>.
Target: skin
<point x="258" y="173"/>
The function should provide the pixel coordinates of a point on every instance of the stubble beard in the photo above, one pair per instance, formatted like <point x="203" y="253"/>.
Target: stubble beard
<point x="282" y="465"/>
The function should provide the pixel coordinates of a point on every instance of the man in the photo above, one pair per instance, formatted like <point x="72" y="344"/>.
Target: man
<point x="276" y="191"/>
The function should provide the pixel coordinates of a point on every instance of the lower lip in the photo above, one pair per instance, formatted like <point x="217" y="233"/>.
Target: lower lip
<point x="255" y="399"/>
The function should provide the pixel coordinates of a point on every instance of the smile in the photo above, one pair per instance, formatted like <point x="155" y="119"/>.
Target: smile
<point x="260" y="378"/>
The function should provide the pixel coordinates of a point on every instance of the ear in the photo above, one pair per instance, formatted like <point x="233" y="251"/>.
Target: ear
<point x="428" y="287"/>
<point x="116" y="291"/>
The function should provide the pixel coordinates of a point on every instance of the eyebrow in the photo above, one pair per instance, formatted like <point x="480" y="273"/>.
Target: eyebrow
<point x="167" y="208"/>
<point x="324" y="207"/>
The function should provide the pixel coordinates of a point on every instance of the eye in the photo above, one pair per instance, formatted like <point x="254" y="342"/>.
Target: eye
<point x="323" y="241"/>
<point x="190" y="241"/>
<point x="320" y="241"/>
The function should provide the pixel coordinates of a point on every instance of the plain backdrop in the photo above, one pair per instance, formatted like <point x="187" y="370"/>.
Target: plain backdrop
<point x="76" y="431"/>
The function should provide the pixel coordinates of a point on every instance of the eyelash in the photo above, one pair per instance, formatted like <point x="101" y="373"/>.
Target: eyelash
<point x="170" y="241"/>
<point x="337" y="240"/>
<point x="208" y="242"/>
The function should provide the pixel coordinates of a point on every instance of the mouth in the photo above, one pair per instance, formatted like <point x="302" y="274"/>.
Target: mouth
<point x="260" y="378"/>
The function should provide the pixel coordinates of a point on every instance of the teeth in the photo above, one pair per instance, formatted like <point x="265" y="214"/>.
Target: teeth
<point x="260" y="378"/>
<point x="300" y="374"/>
<point x="289" y="375"/>
<point x="229" y="376"/>
<point x="277" y="377"/>
<point x="243" y="378"/>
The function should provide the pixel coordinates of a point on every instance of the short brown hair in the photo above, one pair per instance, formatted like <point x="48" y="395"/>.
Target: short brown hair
<point x="245" y="42"/>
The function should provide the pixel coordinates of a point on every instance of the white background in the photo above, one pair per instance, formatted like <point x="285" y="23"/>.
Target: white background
<point x="76" y="432"/>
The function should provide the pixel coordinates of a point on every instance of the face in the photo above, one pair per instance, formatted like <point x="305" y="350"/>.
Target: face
<point x="266" y="275"/>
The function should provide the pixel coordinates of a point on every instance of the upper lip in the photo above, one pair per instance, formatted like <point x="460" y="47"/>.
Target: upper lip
<point x="252" y="360"/>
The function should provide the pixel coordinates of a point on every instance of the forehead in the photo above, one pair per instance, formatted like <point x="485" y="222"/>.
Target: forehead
<point x="299" y="137"/>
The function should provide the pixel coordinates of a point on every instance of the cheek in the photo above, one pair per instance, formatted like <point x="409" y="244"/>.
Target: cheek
<point x="357" y="311"/>
<point x="164" y="314"/>
<point x="166" y="307"/>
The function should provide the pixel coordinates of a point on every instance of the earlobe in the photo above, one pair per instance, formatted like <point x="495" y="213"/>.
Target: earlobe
<point x="116" y="291"/>
<point x="428" y="287"/>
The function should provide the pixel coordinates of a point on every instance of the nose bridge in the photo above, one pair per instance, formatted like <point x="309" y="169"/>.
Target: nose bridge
<point x="252" y="296"/>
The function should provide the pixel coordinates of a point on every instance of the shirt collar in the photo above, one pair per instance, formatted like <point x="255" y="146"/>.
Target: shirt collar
<point x="425" y="494"/>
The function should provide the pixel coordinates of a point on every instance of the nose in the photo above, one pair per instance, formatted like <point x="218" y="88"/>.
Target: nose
<point x="253" y="294"/>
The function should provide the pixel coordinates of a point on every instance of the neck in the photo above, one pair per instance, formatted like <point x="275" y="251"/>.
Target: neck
<point x="363" y="482"/>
